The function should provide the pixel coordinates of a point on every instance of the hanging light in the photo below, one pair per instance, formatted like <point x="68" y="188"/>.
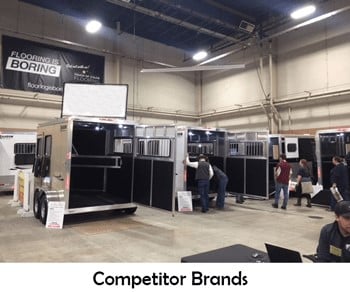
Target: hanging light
<point x="200" y="55"/>
<point x="303" y="12"/>
<point x="93" y="26"/>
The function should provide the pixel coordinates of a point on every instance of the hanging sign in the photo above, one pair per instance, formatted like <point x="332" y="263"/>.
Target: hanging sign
<point x="36" y="67"/>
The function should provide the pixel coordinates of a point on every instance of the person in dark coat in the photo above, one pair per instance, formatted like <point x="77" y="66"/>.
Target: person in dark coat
<point x="222" y="181"/>
<point x="334" y="241"/>
<point x="339" y="179"/>
<point x="204" y="172"/>
<point x="304" y="175"/>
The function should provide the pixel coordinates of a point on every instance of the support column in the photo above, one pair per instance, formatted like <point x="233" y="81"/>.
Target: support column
<point x="275" y="120"/>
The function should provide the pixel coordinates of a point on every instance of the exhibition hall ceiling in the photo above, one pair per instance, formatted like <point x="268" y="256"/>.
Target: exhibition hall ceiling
<point x="188" y="24"/>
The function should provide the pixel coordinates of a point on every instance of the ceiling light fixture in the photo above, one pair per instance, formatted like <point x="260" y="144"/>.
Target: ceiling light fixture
<point x="303" y="12"/>
<point x="93" y="26"/>
<point x="200" y="55"/>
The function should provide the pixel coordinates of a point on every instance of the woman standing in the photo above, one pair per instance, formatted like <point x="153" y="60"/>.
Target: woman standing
<point x="303" y="175"/>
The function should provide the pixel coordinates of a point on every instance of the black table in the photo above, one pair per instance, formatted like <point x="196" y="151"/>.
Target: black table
<point x="237" y="253"/>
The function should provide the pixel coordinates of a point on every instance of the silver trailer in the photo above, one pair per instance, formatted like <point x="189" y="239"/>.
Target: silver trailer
<point x="160" y="171"/>
<point x="86" y="163"/>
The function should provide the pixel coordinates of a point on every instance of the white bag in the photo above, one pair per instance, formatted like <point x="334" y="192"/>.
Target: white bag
<point x="337" y="196"/>
<point x="306" y="187"/>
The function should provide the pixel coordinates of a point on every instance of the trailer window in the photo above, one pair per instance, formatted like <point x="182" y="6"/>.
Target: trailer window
<point x="247" y="148"/>
<point x="291" y="147"/>
<point x="24" y="153"/>
<point x="254" y="148"/>
<point x="122" y="145"/>
<point x="236" y="148"/>
<point x="48" y="145"/>
<point x="24" y="148"/>
<point x="39" y="146"/>
<point x="154" y="147"/>
<point x="200" y="148"/>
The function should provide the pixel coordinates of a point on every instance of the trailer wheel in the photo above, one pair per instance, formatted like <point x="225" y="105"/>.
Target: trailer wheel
<point x="130" y="211"/>
<point x="43" y="209"/>
<point x="36" y="204"/>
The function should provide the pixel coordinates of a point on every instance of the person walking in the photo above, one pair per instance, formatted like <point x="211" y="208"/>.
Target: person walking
<point x="283" y="172"/>
<point x="204" y="172"/>
<point x="222" y="181"/>
<point x="303" y="177"/>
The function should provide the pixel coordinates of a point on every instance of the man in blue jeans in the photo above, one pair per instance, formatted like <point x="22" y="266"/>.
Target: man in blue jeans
<point x="222" y="181"/>
<point x="204" y="172"/>
<point x="283" y="173"/>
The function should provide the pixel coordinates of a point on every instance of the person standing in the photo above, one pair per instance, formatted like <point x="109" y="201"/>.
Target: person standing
<point x="303" y="175"/>
<point x="283" y="172"/>
<point x="222" y="181"/>
<point x="204" y="172"/>
<point x="339" y="179"/>
<point x="334" y="240"/>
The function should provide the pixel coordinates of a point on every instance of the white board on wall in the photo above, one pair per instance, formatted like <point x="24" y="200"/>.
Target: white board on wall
<point x="95" y="100"/>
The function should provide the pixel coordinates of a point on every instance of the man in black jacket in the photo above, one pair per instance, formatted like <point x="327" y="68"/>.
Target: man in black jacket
<point x="334" y="242"/>
<point x="204" y="172"/>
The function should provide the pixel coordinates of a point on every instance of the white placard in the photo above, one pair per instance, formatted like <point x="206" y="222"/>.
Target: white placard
<point x="184" y="201"/>
<point x="95" y="100"/>
<point x="317" y="188"/>
<point x="55" y="215"/>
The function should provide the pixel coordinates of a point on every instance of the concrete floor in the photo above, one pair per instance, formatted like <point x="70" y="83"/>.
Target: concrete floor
<point x="153" y="235"/>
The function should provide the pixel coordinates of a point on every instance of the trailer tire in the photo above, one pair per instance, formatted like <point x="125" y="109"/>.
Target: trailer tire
<point x="36" y="204"/>
<point x="43" y="209"/>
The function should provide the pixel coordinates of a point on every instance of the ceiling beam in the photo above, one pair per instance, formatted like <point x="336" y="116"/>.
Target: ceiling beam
<point x="172" y="20"/>
<point x="201" y="15"/>
<point x="230" y="10"/>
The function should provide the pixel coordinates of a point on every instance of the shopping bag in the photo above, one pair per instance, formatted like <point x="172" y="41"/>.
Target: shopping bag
<point x="306" y="187"/>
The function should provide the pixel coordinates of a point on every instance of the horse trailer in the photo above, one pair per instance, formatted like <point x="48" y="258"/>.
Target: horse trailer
<point x="85" y="162"/>
<point x="17" y="151"/>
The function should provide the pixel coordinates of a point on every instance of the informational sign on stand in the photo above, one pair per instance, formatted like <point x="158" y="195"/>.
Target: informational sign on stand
<point x="55" y="214"/>
<point x="184" y="201"/>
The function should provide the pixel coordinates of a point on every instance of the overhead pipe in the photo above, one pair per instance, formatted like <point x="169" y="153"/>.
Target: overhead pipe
<point x="277" y="104"/>
<point x="245" y="43"/>
<point x="267" y="114"/>
<point x="173" y="20"/>
<point x="307" y="22"/>
<point x="7" y="99"/>
<point x="272" y="97"/>
<point x="201" y="15"/>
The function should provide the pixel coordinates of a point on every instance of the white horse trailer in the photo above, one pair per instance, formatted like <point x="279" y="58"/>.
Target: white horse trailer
<point x="17" y="151"/>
